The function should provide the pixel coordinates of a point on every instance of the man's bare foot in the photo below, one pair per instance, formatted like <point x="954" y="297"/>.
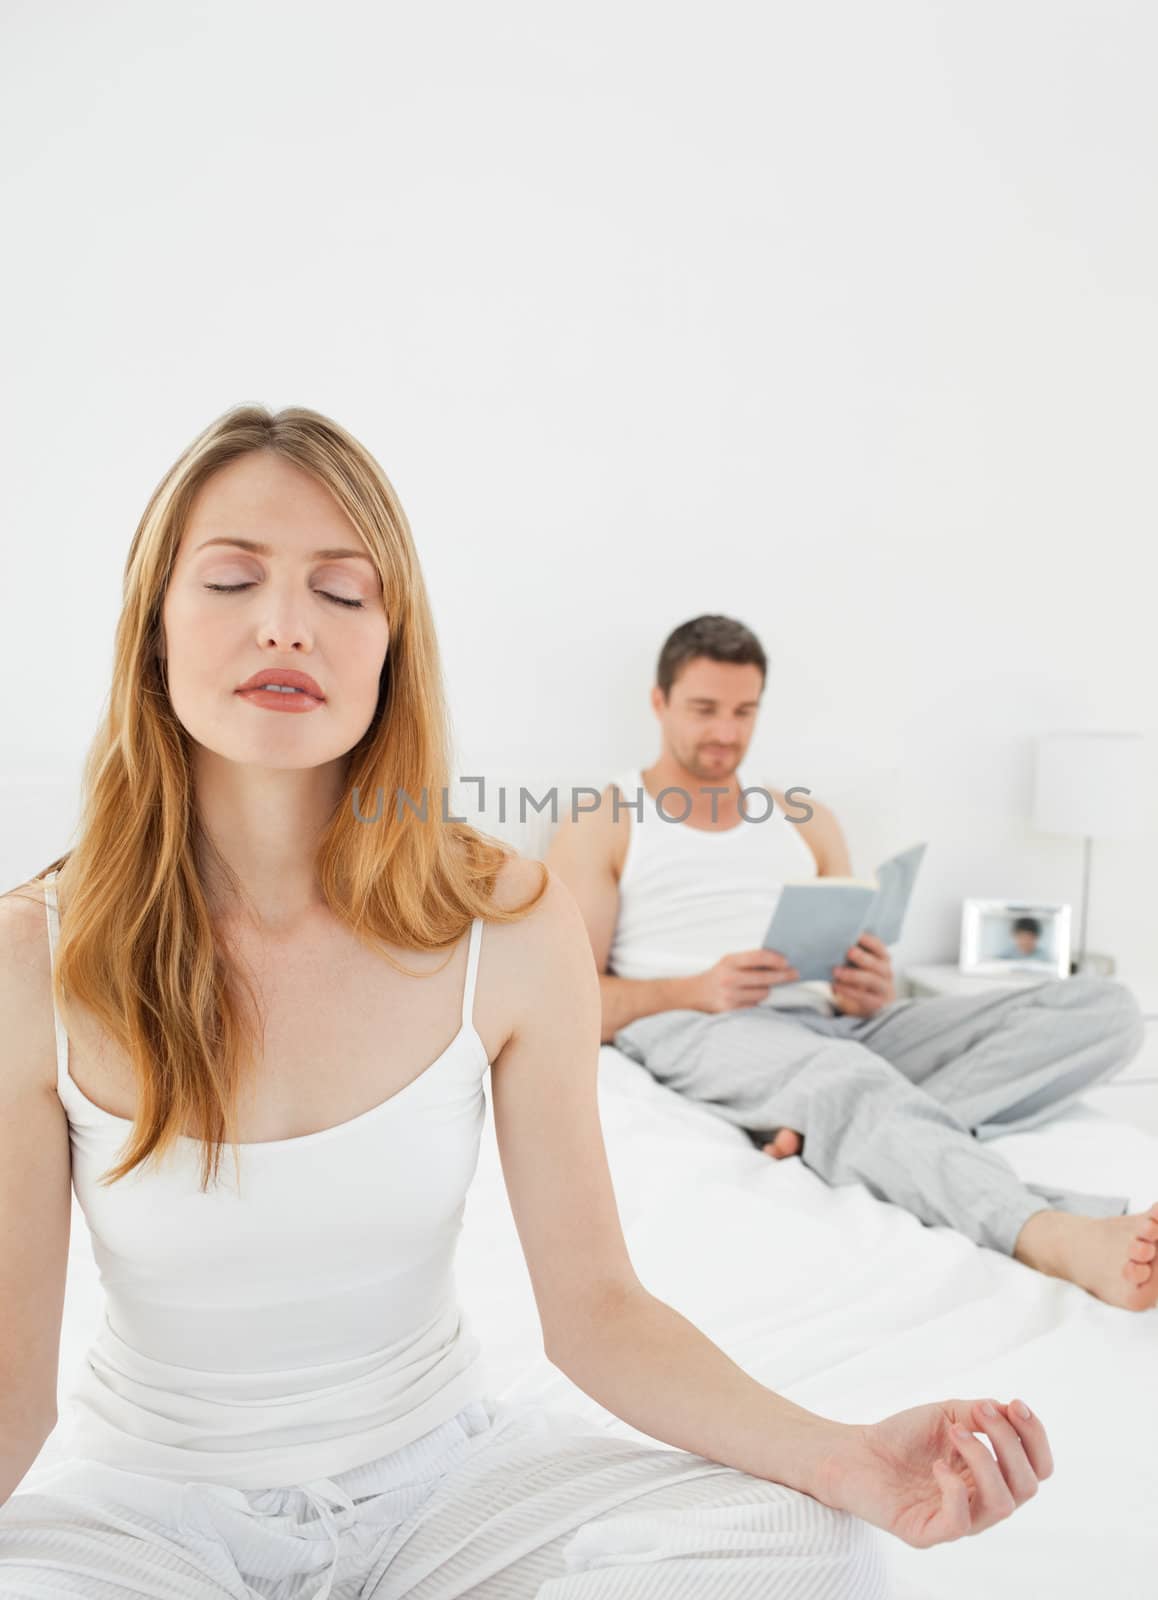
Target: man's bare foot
<point x="786" y="1143"/>
<point x="1114" y="1258"/>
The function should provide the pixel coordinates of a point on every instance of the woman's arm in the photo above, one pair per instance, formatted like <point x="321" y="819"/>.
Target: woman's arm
<point x="637" y="1355"/>
<point x="35" y="1190"/>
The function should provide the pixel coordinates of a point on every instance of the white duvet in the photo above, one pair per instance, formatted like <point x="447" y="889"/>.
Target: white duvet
<point x="855" y="1309"/>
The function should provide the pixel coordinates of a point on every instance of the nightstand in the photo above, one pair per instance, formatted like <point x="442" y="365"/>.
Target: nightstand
<point x="947" y="978"/>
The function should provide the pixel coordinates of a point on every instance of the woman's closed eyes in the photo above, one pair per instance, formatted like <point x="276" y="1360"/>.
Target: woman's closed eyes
<point x="235" y="588"/>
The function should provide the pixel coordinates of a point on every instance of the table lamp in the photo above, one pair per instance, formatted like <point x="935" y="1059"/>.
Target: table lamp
<point x="1088" y="785"/>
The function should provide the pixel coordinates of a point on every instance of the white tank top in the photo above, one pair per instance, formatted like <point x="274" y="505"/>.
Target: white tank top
<point x="688" y="895"/>
<point x="302" y="1326"/>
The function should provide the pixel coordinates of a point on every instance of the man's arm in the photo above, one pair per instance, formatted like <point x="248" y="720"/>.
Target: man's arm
<point x="583" y="852"/>
<point x="822" y="833"/>
<point x="624" y="999"/>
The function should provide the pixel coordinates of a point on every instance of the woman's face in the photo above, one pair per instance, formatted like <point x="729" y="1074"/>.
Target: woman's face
<point x="231" y="611"/>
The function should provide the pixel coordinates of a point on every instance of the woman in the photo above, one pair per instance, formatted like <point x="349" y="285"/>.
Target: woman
<point x="258" y="940"/>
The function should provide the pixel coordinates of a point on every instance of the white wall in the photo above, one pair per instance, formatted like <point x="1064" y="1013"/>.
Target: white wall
<point x="839" y="318"/>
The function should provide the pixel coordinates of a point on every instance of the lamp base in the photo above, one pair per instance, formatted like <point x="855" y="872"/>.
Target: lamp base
<point x="1094" y="965"/>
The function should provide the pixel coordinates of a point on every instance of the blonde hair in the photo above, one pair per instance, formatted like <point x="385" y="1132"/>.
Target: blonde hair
<point x="137" y="945"/>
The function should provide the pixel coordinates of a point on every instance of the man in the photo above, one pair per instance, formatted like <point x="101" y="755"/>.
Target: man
<point x="1025" y="935"/>
<point x="899" y="1094"/>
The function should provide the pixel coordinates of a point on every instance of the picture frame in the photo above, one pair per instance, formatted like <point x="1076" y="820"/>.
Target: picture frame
<point x="1015" y="936"/>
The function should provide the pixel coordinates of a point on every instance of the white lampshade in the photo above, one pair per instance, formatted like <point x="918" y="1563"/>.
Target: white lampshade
<point x="1089" y="784"/>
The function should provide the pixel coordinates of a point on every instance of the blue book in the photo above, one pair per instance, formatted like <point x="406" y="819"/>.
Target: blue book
<point x="816" y="921"/>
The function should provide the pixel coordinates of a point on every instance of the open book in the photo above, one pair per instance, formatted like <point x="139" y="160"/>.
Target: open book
<point x="816" y="921"/>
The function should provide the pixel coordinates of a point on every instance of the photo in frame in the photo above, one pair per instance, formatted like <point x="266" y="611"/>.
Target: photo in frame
<point x="1014" y="936"/>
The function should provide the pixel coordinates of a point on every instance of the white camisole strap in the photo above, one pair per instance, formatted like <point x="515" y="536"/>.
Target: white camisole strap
<point x="53" y="915"/>
<point x="472" y="956"/>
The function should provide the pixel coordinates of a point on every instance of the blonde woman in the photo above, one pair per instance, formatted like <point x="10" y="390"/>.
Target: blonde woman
<point x="259" y="941"/>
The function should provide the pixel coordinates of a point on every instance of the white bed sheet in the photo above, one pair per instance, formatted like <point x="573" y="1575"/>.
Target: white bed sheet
<point x="853" y="1308"/>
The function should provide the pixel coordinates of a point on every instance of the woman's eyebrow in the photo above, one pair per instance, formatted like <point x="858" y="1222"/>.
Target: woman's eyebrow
<point x="264" y="549"/>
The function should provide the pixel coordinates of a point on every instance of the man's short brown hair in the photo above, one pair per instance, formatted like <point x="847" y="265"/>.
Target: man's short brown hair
<point x="718" y="638"/>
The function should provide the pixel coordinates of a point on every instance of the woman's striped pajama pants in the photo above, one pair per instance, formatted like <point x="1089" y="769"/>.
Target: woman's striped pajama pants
<point x="505" y="1501"/>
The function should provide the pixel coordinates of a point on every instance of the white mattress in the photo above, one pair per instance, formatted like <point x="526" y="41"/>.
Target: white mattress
<point x="853" y="1308"/>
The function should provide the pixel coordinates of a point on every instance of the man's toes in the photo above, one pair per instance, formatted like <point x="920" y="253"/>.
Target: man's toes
<point x="1143" y="1250"/>
<point x="1136" y="1272"/>
<point x="1148" y="1228"/>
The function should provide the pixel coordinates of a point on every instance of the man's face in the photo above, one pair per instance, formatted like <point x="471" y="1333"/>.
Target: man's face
<point x="1026" y="941"/>
<point x="709" y="716"/>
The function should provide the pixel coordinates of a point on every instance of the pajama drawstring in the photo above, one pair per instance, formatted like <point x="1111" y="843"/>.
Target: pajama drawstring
<point x="268" y="1507"/>
<point x="324" y="1494"/>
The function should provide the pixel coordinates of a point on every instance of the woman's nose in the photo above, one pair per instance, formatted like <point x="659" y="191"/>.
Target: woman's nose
<point x="285" y="625"/>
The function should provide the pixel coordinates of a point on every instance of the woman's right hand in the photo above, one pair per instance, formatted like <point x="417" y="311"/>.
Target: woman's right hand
<point x="922" y="1475"/>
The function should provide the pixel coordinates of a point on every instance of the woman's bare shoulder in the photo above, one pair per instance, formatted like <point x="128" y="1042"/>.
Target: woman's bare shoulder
<point x="516" y="881"/>
<point x="553" y="913"/>
<point x="532" y="958"/>
<point x="26" y="983"/>
<point x="24" y="925"/>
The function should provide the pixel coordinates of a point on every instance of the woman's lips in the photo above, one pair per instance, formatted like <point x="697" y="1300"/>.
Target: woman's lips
<point x="284" y="678"/>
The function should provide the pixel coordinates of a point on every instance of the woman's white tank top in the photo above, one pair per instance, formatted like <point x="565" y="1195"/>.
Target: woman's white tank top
<point x="688" y="895"/>
<point x="302" y="1325"/>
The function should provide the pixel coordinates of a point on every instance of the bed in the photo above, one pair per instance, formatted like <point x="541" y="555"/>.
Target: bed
<point x="851" y="1307"/>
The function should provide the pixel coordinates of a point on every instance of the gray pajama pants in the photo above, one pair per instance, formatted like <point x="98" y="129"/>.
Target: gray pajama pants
<point x="905" y="1101"/>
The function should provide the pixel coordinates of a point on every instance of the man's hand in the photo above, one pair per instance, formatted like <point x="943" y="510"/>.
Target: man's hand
<point x="916" y="1477"/>
<point x="741" y="978"/>
<point x="866" y="984"/>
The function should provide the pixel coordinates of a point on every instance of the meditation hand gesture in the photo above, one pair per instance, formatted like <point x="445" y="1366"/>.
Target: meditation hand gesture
<point x="916" y="1476"/>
